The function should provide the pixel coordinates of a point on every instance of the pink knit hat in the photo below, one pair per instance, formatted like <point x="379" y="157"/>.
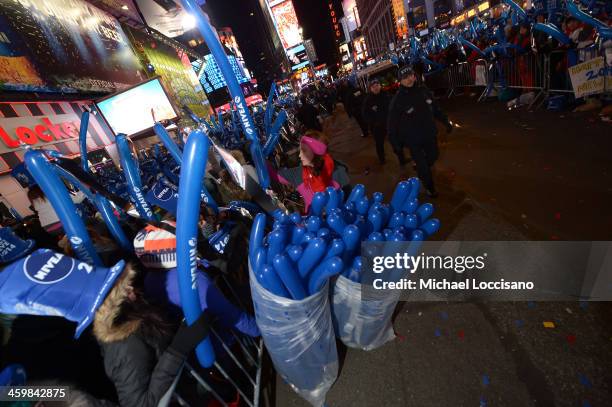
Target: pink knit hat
<point x="317" y="147"/>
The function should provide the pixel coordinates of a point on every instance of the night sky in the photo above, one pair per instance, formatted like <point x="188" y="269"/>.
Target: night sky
<point x="312" y="14"/>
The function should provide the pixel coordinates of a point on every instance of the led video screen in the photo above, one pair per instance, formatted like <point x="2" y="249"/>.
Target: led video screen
<point x="135" y="110"/>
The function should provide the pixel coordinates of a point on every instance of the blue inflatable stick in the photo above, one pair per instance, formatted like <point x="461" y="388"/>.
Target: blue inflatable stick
<point x="430" y="227"/>
<point x="410" y="206"/>
<point x="333" y="198"/>
<point x="580" y="15"/>
<point x="257" y="235"/>
<point x="553" y="31"/>
<point x="313" y="224"/>
<point x="215" y="47"/>
<point x="269" y="108"/>
<point x="296" y="218"/>
<point x="336" y="222"/>
<point x="336" y="248"/>
<point x="133" y="178"/>
<point x="295" y="252"/>
<point x="319" y="200"/>
<point x="271" y="281"/>
<point x="357" y="192"/>
<point x="290" y="277"/>
<point x="277" y="240"/>
<point x="58" y="195"/>
<point x="313" y="253"/>
<point x="411" y="222"/>
<point x="402" y="190"/>
<point x="375" y="218"/>
<point x="274" y="135"/>
<point x="378" y="197"/>
<point x="188" y="213"/>
<point x="325" y="270"/>
<point x="259" y="259"/>
<point x="376" y="237"/>
<point x="324" y="233"/>
<point x="83" y="140"/>
<point x="297" y="235"/>
<point x="424" y="212"/>
<point x="363" y="205"/>
<point x="397" y="219"/>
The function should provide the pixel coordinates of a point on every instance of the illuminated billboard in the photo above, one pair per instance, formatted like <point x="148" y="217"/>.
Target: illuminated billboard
<point x="210" y="75"/>
<point x="298" y="57"/>
<point x="286" y="23"/>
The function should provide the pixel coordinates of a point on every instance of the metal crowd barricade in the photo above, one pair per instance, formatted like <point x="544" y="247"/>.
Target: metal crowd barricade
<point x="467" y="74"/>
<point x="242" y="370"/>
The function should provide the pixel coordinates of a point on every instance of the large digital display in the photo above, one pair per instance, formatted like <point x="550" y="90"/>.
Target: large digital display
<point x="210" y="75"/>
<point x="287" y="23"/>
<point x="63" y="46"/>
<point x="298" y="57"/>
<point x="135" y="110"/>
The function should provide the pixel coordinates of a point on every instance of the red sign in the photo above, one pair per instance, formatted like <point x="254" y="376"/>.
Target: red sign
<point x="335" y="21"/>
<point x="52" y="125"/>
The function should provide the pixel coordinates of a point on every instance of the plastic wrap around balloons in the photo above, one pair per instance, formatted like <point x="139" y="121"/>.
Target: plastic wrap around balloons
<point x="553" y="31"/>
<point x="56" y="192"/>
<point x="188" y="212"/>
<point x="177" y="155"/>
<point x="132" y="177"/>
<point x="213" y="43"/>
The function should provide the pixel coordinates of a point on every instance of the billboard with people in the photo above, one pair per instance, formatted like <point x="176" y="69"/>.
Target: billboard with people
<point x="63" y="46"/>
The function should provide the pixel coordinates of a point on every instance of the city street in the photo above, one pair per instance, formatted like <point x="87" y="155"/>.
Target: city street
<point x="502" y="176"/>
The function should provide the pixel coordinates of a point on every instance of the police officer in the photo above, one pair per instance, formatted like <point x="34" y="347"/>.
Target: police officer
<point x="374" y="111"/>
<point x="411" y="124"/>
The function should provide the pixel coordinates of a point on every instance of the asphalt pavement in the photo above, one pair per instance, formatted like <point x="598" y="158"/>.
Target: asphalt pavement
<point x="502" y="175"/>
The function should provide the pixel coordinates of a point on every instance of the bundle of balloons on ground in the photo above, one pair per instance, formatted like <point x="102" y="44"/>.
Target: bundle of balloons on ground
<point x="301" y="253"/>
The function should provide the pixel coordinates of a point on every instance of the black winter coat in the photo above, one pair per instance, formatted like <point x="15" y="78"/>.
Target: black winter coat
<point x="375" y="110"/>
<point x="137" y="361"/>
<point x="411" y="116"/>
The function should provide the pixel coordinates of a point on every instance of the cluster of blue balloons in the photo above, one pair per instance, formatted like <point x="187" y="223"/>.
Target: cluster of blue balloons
<point x="300" y="254"/>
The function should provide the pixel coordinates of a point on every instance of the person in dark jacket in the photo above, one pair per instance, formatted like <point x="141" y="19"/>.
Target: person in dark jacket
<point x="374" y="111"/>
<point x="411" y="124"/>
<point x="307" y="114"/>
<point x="142" y="352"/>
<point x="353" y="101"/>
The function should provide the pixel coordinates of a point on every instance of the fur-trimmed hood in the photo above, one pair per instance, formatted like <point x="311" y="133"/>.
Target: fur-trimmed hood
<point x="104" y="327"/>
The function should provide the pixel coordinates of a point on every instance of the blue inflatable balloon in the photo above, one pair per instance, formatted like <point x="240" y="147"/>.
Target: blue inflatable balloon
<point x="188" y="213"/>
<point x="271" y="281"/>
<point x="56" y="192"/>
<point x="132" y="177"/>
<point x="553" y="31"/>
<point x="325" y="270"/>
<point x="257" y="234"/>
<point x="289" y="276"/>
<point x="313" y="253"/>
<point x="430" y="227"/>
<point x="83" y="140"/>
<point x="214" y="45"/>
<point x="424" y="212"/>
<point x="319" y="200"/>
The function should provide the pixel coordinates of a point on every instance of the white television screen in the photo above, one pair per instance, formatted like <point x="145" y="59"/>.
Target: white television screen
<point x="132" y="111"/>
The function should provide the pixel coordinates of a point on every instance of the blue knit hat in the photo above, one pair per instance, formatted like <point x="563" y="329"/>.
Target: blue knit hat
<point x="52" y="284"/>
<point x="12" y="247"/>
